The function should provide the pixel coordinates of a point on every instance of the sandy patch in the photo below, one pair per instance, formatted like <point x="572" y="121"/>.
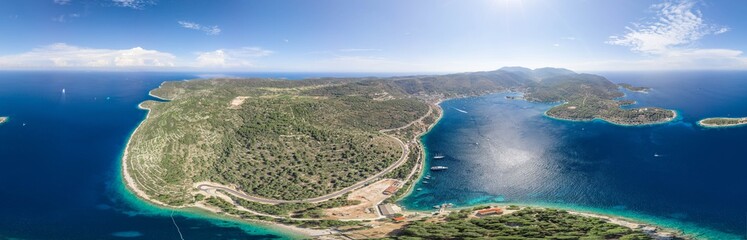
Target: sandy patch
<point x="369" y="196"/>
<point x="237" y="101"/>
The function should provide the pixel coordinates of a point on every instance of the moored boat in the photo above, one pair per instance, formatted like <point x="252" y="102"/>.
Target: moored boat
<point x="438" y="168"/>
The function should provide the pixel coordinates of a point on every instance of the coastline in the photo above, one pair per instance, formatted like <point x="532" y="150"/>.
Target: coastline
<point x="632" y="223"/>
<point x="706" y="125"/>
<point x="613" y="218"/>
<point x="675" y="116"/>
<point x="211" y="213"/>
<point x="131" y="187"/>
<point x="128" y="180"/>
<point x="423" y="153"/>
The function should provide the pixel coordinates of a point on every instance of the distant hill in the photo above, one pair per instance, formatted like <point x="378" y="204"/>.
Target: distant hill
<point x="537" y="74"/>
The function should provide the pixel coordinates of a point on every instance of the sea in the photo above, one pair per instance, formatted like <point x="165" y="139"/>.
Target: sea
<point x="678" y="175"/>
<point x="60" y="158"/>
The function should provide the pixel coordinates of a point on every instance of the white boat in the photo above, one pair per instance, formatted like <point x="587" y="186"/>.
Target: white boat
<point x="438" y="156"/>
<point x="63" y="91"/>
<point x="438" y="168"/>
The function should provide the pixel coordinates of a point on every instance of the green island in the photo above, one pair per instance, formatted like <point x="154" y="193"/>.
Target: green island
<point x="335" y="153"/>
<point x="527" y="223"/>
<point x="723" y="122"/>
<point x="3" y="120"/>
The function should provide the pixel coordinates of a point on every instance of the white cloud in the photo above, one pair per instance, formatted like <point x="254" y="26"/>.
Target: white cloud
<point x="230" y="58"/>
<point x="669" y="41"/>
<point x="61" y="2"/>
<point x="721" y="30"/>
<point x="65" y="18"/>
<point x="61" y="55"/>
<point x="556" y="44"/>
<point x="134" y="4"/>
<point x="189" y="25"/>
<point x="676" y="24"/>
<point x="209" y="30"/>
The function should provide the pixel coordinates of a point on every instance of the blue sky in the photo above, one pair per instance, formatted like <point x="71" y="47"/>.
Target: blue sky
<point x="371" y="36"/>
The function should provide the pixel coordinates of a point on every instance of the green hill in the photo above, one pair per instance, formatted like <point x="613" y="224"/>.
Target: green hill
<point x="291" y="140"/>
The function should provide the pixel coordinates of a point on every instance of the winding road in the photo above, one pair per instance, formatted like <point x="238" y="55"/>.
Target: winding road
<point x="402" y="160"/>
<point x="405" y="152"/>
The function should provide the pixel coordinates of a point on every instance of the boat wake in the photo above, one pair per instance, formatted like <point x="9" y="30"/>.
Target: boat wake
<point x="460" y="110"/>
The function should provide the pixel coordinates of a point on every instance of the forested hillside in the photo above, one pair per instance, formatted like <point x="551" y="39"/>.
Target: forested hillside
<point x="291" y="140"/>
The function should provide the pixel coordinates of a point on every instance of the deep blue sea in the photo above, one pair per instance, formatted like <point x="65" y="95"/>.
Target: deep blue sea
<point x="678" y="174"/>
<point x="60" y="156"/>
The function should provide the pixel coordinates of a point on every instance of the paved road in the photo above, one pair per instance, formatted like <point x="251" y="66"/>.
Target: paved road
<point x="403" y="159"/>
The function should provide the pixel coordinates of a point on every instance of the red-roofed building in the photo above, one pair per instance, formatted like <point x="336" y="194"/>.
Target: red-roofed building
<point x="398" y="219"/>
<point x="391" y="189"/>
<point x="489" y="211"/>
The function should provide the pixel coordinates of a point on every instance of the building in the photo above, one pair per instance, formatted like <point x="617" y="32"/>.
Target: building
<point x="399" y="219"/>
<point x="388" y="210"/>
<point x="391" y="189"/>
<point x="489" y="211"/>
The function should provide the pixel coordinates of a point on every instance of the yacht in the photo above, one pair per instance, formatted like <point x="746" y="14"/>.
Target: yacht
<point x="438" y="168"/>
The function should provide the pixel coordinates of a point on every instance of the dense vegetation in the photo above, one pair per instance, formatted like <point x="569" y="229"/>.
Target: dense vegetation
<point x="300" y="139"/>
<point x="716" y="122"/>
<point x="279" y="143"/>
<point x="633" y="88"/>
<point x="522" y="224"/>
<point x="591" y="107"/>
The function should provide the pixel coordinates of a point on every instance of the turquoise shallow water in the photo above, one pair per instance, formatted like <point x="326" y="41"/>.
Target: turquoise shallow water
<point x="677" y="174"/>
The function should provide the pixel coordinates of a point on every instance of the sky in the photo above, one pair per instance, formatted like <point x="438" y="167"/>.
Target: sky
<point x="372" y="36"/>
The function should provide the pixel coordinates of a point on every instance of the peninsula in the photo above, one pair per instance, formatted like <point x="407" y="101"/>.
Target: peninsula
<point x="326" y="153"/>
<point x="722" y="122"/>
<point x="634" y="88"/>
